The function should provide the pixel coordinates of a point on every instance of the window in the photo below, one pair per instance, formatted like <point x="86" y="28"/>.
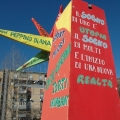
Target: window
<point x="40" y="77"/>
<point x="23" y="75"/>
<point x="30" y="77"/>
<point x="22" y="88"/>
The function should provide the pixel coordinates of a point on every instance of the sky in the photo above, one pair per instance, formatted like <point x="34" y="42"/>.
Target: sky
<point x="16" y="15"/>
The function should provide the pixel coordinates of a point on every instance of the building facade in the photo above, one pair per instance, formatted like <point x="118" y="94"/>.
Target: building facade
<point x="118" y="80"/>
<point x="21" y="95"/>
<point x="24" y="95"/>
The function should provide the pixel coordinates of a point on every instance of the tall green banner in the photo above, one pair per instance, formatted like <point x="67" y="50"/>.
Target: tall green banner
<point x="39" y="58"/>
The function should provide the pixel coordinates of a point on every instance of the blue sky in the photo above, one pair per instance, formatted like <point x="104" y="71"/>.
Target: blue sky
<point x="16" y="15"/>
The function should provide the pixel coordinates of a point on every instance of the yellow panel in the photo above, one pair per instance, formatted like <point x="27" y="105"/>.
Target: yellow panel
<point x="65" y="19"/>
<point x="43" y="43"/>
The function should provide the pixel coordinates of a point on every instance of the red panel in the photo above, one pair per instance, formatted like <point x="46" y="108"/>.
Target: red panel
<point x="83" y="58"/>
<point x="40" y="29"/>
<point x="93" y="86"/>
<point x="60" y="71"/>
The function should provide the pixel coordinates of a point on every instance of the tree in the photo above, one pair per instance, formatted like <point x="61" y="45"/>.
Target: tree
<point x="13" y="59"/>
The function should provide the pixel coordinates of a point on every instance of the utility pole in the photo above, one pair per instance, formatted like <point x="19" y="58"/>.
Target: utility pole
<point x="4" y="91"/>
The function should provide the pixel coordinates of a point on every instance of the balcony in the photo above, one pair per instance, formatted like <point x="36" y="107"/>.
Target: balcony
<point x="31" y="85"/>
<point x="21" y="115"/>
<point x="22" y="107"/>
<point x="19" y="84"/>
<point x="22" y="91"/>
<point x="36" y="86"/>
<point x="23" y="99"/>
<point x="19" y="107"/>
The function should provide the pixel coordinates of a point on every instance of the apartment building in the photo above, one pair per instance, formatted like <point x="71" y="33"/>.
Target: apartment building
<point x="21" y="95"/>
<point x="24" y="95"/>
<point x="118" y="80"/>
